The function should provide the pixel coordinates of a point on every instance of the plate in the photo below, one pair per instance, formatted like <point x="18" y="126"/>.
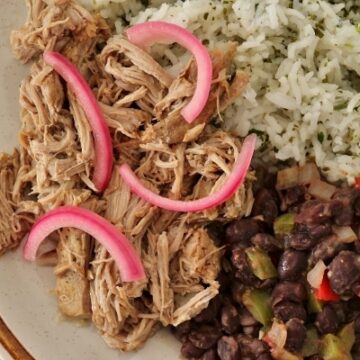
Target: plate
<point x="28" y="308"/>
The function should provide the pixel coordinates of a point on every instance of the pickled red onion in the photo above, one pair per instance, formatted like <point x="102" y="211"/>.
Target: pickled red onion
<point x="87" y="100"/>
<point x="233" y="182"/>
<point x="85" y="220"/>
<point x="148" y="33"/>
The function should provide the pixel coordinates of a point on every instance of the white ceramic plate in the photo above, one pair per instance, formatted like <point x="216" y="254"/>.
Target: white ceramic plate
<point x="27" y="305"/>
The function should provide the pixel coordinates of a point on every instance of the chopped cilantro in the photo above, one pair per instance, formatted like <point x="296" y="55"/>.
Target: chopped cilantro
<point x="321" y="137"/>
<point x="341" y="106"/>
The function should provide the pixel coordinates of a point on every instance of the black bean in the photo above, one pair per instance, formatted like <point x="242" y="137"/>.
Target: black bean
<point x="292" y="264"/>
<point x="327" y="321"/>
<point x="210" y="355"/>
<point x="291" y="197"/>
<point x="189" y="351"/>
<point x="287" y="310"/>
<point x="315" y="357"/>
<point x="205" y="337"/>
<point x="357" y="207"/>
<point x="252" y="331"/>
<point x="244" y="273"/>
<point x="314" y="212"/>
<point x="319" y="231"/>
<point x="181" y="331"/>
<point x="296" y="334"/>
<point x="230" y="320"/>
<point x="326" y="249"/>
<point x="300" y="241"/>
<point x="216" y="231"/>
<point x="211" y="312"/>
<point x="237" y="290"/>
<point x="266" y="204"/>
<point x="251" y="347"/>
<point x="246" y="318"/>
<point x="241" y="231"/>
<point x="344" y="271"/>
<point x="266" y="242"/>
<point x="289" y="291"/>
<point x="357" y="324"/>
<point x="228" y="348"/>
<point x="342" y="214"/>
<point x="355" y="351"/>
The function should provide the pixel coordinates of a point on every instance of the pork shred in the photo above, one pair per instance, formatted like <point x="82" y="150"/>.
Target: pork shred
<point x="141" y="103"/>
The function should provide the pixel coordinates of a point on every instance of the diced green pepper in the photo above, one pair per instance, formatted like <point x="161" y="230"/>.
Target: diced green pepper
<point x="313" y="305"/>
<point x="260" y="263"/>
<point x="347" y="336"/>
<point x="311" y="344"/>
<point x="284" y="224"/>
<point x="332" y="348"/>
<point x="257" y="302"/>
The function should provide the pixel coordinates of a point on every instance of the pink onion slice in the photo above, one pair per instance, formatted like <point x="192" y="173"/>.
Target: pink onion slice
<point x="87" y="100"/>
<point x="85" y="220"/>
<point x="148" y="33"/>
<point x="233" y="182"/>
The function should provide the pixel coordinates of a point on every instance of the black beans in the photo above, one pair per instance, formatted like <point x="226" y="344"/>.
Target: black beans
<point x="189" y="351"/>
<point x="342" y="214"/>
<point x="357" y="324"/>
<point x="205" y="337"/>
<point x="314" y="212"/>
<point x="290" y="291"/>
<point x="252" y="348"/>
<point x="319" y="231"/>
<point x="266" y="204"/>
<point x="344" y="271"/>
<point x="237" y="291"/>
<point x="287" y="310"/>
<point x="210" y="355"/>
<point x="292" y="264"/>
<point x="182" y="331"/>
<point x="296" y="334"/>
<point x="208" y="314"/>
<point x="300" y="241"/>
<point x="266" y="242"/>
<point x="241" y="231"/>
<point x="230" y="320"/>
<point x="228" y="348"/>
<point x="244" y="273"/>
<point x="327" y="320"/>
<point x="227" y="330"/>
<point x="326" y="249"/>
<point x="292" y="196"/>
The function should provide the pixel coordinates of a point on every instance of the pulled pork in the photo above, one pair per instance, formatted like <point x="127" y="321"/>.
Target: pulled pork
<point x="142" y="105"/>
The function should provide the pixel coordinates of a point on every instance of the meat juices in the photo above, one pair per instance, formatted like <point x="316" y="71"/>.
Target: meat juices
<point x="294" y="234"/>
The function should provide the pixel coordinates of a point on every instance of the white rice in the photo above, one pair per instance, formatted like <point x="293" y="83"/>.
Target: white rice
<point x="304" y="59"/>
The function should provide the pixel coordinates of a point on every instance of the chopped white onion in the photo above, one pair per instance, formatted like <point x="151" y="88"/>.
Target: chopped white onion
<point x="276" y="339"/>
<point x="321" y="189"/>
<point x="316" y="274"/>
<point x="345" y="234"/>
<point x="308" y="173"/>
<point x="287" y="178"/>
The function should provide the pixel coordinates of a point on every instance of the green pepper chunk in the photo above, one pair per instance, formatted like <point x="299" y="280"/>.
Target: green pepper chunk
<point x="257" y="302"/>
<point x="260" y="263"/>
<point x="314" y="305"/>
<point x="332" y="348"/>
<point x="311" y="344"/>
<point x="347" y="336"/>
<point x="284" y="224"/>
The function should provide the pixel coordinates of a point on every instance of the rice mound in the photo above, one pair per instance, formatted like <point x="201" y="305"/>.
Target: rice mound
<point x="304" y="60"/>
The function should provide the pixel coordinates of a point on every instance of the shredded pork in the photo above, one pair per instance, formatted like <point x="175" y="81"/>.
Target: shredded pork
<point x="142" y="105"/>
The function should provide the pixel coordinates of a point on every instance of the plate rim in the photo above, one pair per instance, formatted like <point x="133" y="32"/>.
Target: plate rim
<point x="12" y="344"/>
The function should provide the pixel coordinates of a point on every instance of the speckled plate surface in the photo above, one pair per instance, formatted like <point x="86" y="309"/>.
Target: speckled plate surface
<point x="30" y="326"/>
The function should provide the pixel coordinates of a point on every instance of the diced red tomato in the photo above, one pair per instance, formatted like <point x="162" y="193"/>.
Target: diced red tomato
<point x="325" y="292"/>
<point x="357" y="182"/>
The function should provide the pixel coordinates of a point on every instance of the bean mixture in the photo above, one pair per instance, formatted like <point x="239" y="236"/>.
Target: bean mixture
<point x="290" y="278"/>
